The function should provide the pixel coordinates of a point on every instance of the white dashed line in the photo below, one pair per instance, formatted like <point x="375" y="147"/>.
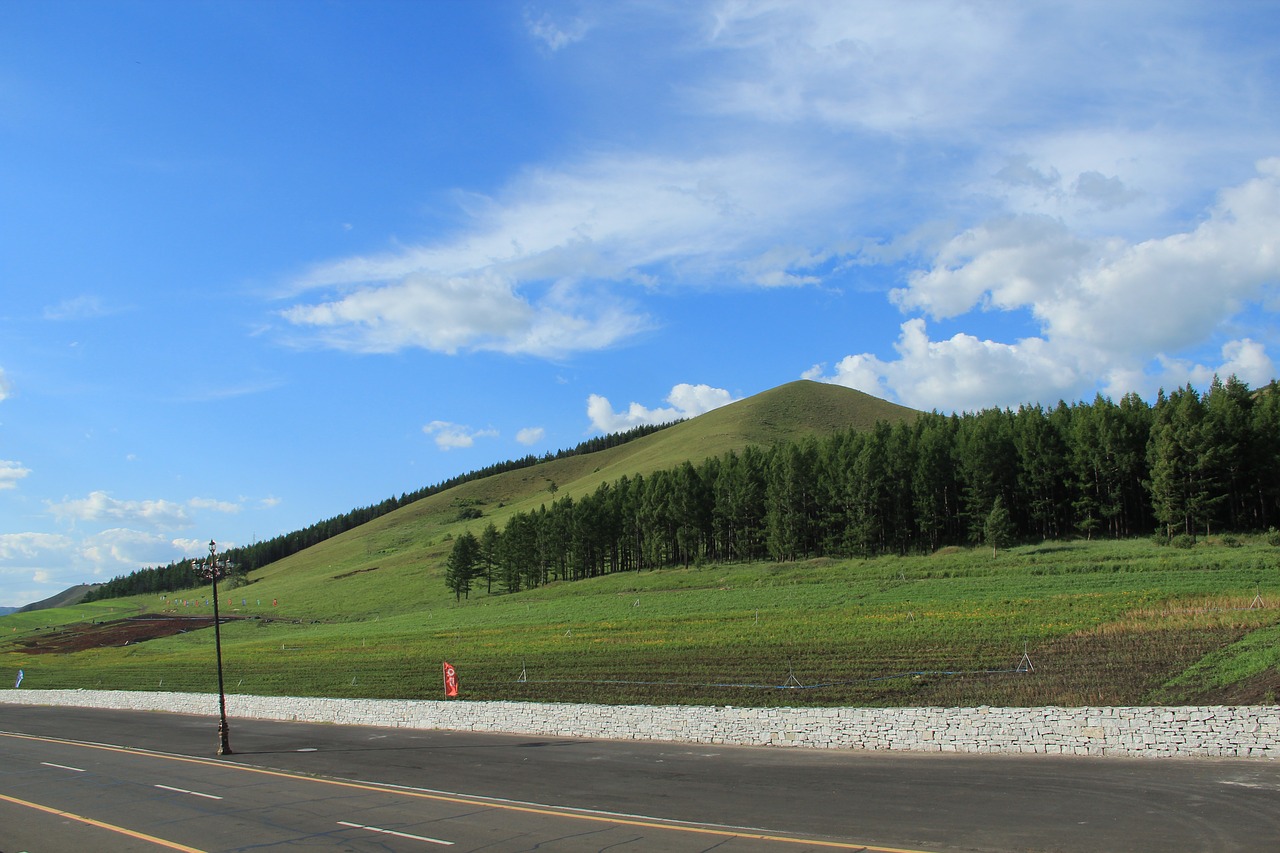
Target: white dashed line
<point x="192" y="793"/>
<point x="397" y="834"/>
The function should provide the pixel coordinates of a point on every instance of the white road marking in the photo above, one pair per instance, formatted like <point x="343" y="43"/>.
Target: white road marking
<point x="1256" y="785"/>
<point x="192" y="793"/>
<point x="61" y="766"/>
<point x="397" y="834"/>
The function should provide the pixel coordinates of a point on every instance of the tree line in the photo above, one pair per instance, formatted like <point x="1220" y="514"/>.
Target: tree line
<point x="179" y="575"/>
<point x="1190" y="464"/>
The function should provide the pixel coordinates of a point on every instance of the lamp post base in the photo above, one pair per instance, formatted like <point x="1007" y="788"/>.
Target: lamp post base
<point x="224" y="748"/>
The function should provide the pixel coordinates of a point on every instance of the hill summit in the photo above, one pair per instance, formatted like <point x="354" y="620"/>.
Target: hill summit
<point x="787" y="413"/>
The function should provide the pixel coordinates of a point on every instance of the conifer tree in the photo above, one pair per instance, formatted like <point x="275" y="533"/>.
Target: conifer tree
<point x="997" y="531"/>
<point x="460" y="568"/>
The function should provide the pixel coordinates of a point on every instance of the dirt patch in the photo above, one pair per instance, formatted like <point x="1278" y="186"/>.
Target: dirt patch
<point x="120" y="632"/>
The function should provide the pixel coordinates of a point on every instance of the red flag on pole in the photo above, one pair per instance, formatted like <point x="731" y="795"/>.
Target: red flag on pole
<point x="450" y="680"/>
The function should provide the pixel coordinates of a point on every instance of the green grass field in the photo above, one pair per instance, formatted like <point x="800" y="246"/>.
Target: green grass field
<point x="1102" y="623"/>
<point x="366" y="613"/>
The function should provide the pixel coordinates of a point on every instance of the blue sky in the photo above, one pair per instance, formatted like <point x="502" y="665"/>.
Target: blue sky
<point x="261" y="263"/>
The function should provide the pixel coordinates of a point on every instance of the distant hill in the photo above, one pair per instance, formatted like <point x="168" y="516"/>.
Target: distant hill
<point x="402" y="542"/>
<point x="5" y="611"/>
<point x="66" y="598"/>
<point x="393" y="550"/>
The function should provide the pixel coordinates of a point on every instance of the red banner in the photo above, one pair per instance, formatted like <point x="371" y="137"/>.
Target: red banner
<point x="450" y="680"/>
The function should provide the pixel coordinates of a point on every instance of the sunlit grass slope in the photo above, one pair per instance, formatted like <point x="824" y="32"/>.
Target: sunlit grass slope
<point x="367" y="613"/>
<point x="396" y="561"/>
<point x="1099" y="623"/>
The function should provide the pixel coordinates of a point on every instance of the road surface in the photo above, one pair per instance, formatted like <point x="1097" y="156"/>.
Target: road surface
<point x="84" y="779"/>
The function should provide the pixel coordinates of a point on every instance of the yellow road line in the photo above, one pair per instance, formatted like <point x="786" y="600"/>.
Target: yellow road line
<point x="172" y="845"/>
<point x="459" y="799"/>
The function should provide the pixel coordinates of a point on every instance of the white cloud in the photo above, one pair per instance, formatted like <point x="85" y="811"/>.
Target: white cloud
<point x="34" y="566"/>
<point x="1005" y="264"/>
<point x="1074" y="158"/>
<point x="119" y="550"/>
<point x="530" y="435"/>
<point x="961" y="373"/>
<point x="421" y="310"/>
<point x="1245" y="359"/>
<point x="196" y="547"/>
<point x="687" y="401"/>
<point x="450" y="436"/>
<point x="883" y="67"/>
<point x="15" y="547"/>
<point x="100" y="506"/>
<point x="1108" y="310"/>
<point x="1104" y="116"/>
<point x="10" y="473"/>
<point x="5" y="387"/>
<point x="1110" y="296"/>
<point x="978" y="74"/>
<point x="1248" y="361"/>
<point x="534" y="271"/>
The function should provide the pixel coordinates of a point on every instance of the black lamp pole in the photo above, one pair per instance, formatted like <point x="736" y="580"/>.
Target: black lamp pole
<point x="212" y="568"/>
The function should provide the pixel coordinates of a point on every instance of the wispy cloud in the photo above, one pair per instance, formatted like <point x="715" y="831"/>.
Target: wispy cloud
<point x="230" y="391"/>
<point x="552" y="34"/>
<point x="229" y="507"/>
<point x="538" y="269"/>
<point x="880" y="67"/>
<point x="85" y="307"/>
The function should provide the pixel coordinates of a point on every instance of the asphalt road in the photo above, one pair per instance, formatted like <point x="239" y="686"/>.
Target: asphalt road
<point x="83" y="779"/>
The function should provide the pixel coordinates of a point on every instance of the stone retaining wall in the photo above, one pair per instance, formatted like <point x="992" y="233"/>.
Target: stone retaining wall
<point x="1247" y="731"/>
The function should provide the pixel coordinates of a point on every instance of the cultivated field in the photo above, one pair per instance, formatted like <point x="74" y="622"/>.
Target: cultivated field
<point x="1061" y="623"/>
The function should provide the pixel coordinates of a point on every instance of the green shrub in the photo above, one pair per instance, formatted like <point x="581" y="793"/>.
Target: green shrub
<point x="1183" y="540"/>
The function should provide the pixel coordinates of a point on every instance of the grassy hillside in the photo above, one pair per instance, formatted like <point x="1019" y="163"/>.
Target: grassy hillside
<point x="405" y="549"/>
<point x="67" y="598"/>
<point x="1100" y="623"/>
<point x="367" y="614"/>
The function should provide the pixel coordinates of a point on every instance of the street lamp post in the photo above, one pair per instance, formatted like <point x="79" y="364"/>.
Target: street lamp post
<point x="211" y="568"/>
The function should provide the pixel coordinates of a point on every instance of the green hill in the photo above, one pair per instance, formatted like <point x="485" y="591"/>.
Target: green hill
<point x="366" y="613"/>
<point x="404" y="546"/>
<point x="67" y="598"/>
